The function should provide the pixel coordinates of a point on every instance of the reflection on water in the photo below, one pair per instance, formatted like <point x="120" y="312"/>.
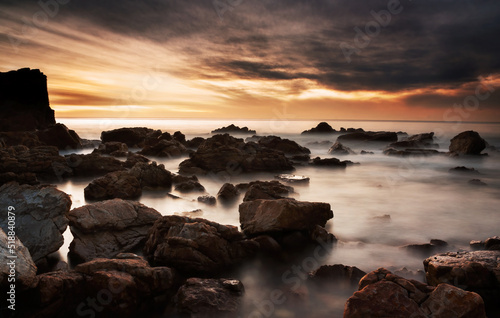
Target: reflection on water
<point x="419" y="198"/>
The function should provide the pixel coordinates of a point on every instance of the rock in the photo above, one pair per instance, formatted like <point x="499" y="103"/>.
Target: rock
<point x="209" y="297"/>
<point x="266" y="216"/>
<point x="411" y="152"/>
<point x="133" y="137"/>
<point x="190" y="186"/>
<point x="428" y="248"/>
<point x="93" y="164"/>
<point x="369" y="136"/>
<point x="287" y="146"/>
<point x="112" y="148"/>
<point x="321" y="128"/>
<point x="463" y="169"/>
<point x="165" y="148"/>
<point x="227" y="193"/>
<point x="207" y="199"/>
<point x="105" y="229"/>
<point x="467" y="143"/>
<point x="329" y="162"/>
<point x="225" y="155"/>
<point x="40" y="216"/>
<point x="195" y="142"/>
<point x="290" y="178"/>
<point x="492" y="243"/>
<point x="416" y="141"/>
<point x="477" y="245"/>
<point x="152" y="175"/>
<point x="339" y="149"/>
<point x="20" y="138"/>
<point x="233" y="129"/>
<point x="196" y="246"/>
<point x="476" y="182"/>
<point x="60" y="136"/>
<point x="477" y="271"/>
<point x="351" y="130"/>
<point x="25" y="268"/>
<point x="133" y="159"/>
<point x="118" y="184"/>
<point x="267" y="190"/>
<point x="24" y="101"/>
<point x="383" y="294"/>
<point x="363" y="152"/>
<point x="180" y="137"/>
<point x="328" y="275"/>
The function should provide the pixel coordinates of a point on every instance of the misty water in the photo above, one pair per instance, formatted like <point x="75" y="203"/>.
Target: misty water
<point x="424" y="200"/>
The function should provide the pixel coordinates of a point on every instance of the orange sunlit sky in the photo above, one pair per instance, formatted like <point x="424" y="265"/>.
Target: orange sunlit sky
<point x="377" y="60"/>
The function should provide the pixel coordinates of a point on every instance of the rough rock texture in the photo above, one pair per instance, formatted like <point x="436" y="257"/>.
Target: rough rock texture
<point x="133" y="137"/>
<point x="40" y="216"/>
<point x="152" y="175"/>
<point x="228" y="193"/>
<point x="20" y="138"/>
<point x="286" y="146"/>
<point x="24" y="101"/>
<point x="118" y="184"/>
<point x="196" y="245"/>
<point x="165" y="148"/>
<point x="425" y="140"/>
<point x="321" y="128"/>
<point x="25" y="269"/>
<point x="383" y="294"/>
<point x="105" y="229"/>
<point x="195" y="142"/>
<point x="337" y="275"/>
<point x="339" y="149"/>
<point x="477" y="271"/>
<point x="223" y="154"/>
<point x="467" y="143"/>
<point x="209" y="297"/>
<point x="267" y="190"/>
<point x="112" y="148"/>
<point x="233" y="129"/>
<point x="369" y="136"/>
<point x="265" y="216"/>
<point x="60" y="136"/>
<point x="93" y="165"/>
<point x="329" y="162"/>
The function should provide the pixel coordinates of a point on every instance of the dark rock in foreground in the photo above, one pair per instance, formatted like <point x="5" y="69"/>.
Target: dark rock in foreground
<point x="107" y="228"/>
<point x="199" y="297"/>
<point x="426" y="249"/>
<point x="118" y="184"/>
<point x="233" y="129"/>
<point x="40" y="216"/>
<point x="60" y="136"/>
<point x="383" y="294"/>
<point x="321" y="128"/>
<point x="467" y="143"/>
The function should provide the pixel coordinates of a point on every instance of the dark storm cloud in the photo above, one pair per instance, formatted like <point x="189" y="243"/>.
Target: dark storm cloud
<point x="429" y="43"/>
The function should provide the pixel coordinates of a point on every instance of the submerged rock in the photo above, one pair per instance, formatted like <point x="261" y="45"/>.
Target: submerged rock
<point x="467" y="143"/>
<point x="291" y="178"/>
<point x="112" y="148"/>
<point x="93" y="164"/>
<point x="463" y="169"/>
<point x="336" y="275"/>
<point x="189" y="186"/>
<point x="411" y="152"/>
<point x="340" y="149"/>
<point x="329" y="162"/>
<point x="207" y="199"/>
<point x="40" y="216"/>
<point x="477" y="182"/>
<point x="427" y="249"/>
<point x="369" y="136"/>
<point x="164" y="148"/>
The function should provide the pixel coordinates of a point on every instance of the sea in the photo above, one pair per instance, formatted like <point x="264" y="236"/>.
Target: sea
<point x="381" y="204"/>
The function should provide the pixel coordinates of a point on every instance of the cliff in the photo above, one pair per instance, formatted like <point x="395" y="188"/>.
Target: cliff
<point x="24" y="101"/>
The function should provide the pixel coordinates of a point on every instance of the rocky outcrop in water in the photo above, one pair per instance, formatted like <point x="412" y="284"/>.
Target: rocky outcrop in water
<point x="337" y="275"/>
<point x="133" y="137"/>
<point x="112" y="148"/>
<point x="411" y="152"/>
<point x="369" y="136"/>
<point x="24" y="101"/>
<point x="467" y="143"/>
<point x="425" y="140"/>
<point x="339" y="149"/>
<point x="267" y="190"/>
<point x="233" y="129"/>
<point x="287" y="146"/>
<point x="321" y="128"/>
<point x="40" y="216"/>
<point x="228" y="193"/>
<point x="93" y="164"/>
<point x="118" y="184"/>
<point x="329" y="162"/>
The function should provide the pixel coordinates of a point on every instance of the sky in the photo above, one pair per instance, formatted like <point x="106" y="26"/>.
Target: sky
<point x="433" y="60"/>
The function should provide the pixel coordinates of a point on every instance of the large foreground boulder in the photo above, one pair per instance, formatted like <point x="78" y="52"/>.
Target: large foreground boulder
<point x="383" y="294"/>
<point x="477" y="271"/>
<point x="13" y="252"/>
<point x="105" y="229"/>
<point x="196" y="245"/>
<point x="60" y="136"/>
<point x="40" y="216"/>
<point x="467" y="143"/>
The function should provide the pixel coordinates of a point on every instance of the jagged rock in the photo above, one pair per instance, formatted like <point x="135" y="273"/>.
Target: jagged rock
<point x="329" y="162"/>
<point x="207" y="199"/>
<point x="340" y="149"/>
<point x="133" y="137"/>
<point x="267" y="216"/>
<point x="180" y="137"/>
<point x="209" y="297"/>
<point x="133" y="159"/>
<point x="24" y="101"/>
<point x="233" y="129"/>
<point x="105" y="229"/>
<point x="369" y="136"/>
<point x="425" y="140"/>
<point x="351" y="130"/>
<point x="463" y="169"/>
<point x="40" y="216"/>
<point x="113" y="148"/>
<point x="165" y="148"/>
<point x="60" y="136"/>
<point x="321" y="128"/>
<point x="25" y="268"/>
<point x="118" y="184"/>
<point x="411" y="152"/>
<point x="267" y="190"/>
<point x="337" y="275"/>
<point x="467" y="143"/>
<point x="287" y="146"/>
<point x="228" y="193"/>
<point x="93" y="164"/>
<point x="196" y="245"/>
<point x="477" y="271"/>
<point x="383" y="294"/>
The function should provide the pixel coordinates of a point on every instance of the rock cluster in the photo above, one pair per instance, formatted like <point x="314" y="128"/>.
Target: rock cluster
<point x="233" y="129"/>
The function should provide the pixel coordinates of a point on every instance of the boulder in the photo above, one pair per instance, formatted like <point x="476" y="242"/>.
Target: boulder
<point x="20" y="138"/>
<point x="118" y="184"/>
<point x="24" y="101"/>
<point x="133" y="137"/>
<point x="336" y="275"/>
<point x="321" y="128"/>
<point x="340" y="149"/>
<point x="286" y="146"/>
<point x="207" y="199"/>
<point x="164" y="148"/>
<point x="60" y="136"/>
<point x="492" y="243"/>
<point x="364" y="152"/>
<point x="190" y="186"/>
<point x="425" y="140"/>
<point x="14" y="252"/>
<point x="133" y="159"/>
<point x="93" y="165"/>
<point x="105" y="229"/>
<point x="228" y="193"/>
<point x="233" y="129"/>
<point x="179" y="137"/>
<point x="427" y="249"/>
<point x="328" y="162"/>
<point x="40" y="216"/>
<point x="383" y="294"/>
<point x="467" y="143"/>
<point x="369" y="136"/>
<point x="267" y="190"/>
<point x="477" y="271"/>
<point x="112" y="148"/>
<point x="152" y="175"/>
<point x="196" y="246"/>
<point x="200" y="297"/>
<point x="195" y="142"/>
<point x="267" y="216"/>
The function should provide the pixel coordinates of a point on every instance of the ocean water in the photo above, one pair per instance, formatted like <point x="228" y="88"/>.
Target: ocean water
<point x="423" y="199"/>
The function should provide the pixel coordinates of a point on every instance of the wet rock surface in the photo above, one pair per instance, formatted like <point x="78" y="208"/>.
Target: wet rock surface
<point x="411" y="152"/>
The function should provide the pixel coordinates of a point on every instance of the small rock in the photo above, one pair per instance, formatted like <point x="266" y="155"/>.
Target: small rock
<point x="476" y="182"/>
<point x="207" y="199"/>
<point x="227" y="193"/>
